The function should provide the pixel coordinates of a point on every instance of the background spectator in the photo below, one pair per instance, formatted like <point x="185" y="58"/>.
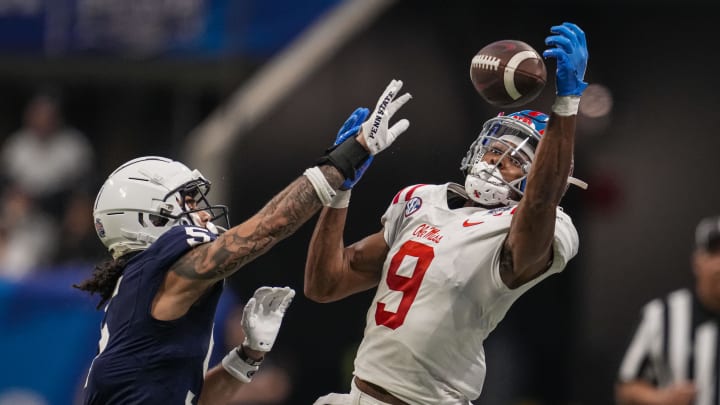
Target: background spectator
<point x="27" y="235"/>
<point x="46" y="159"/>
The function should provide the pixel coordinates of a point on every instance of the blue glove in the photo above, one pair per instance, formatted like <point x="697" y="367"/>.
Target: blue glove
<point x="351" y="128"/>
<point x="570" y="51"/>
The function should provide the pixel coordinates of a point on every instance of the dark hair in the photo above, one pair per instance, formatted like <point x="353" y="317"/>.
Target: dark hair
<point x="707" y="235"/>
<point x="105" y="277"/>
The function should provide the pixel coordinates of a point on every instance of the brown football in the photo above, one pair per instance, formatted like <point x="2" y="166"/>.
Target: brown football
<point x="508" y="73"/>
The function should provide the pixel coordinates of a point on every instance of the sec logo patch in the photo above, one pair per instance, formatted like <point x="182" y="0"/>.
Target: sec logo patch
<point x="412" y="206"/>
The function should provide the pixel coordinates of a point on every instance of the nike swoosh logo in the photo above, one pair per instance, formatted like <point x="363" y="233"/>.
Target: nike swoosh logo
<point x="468" y="223"/>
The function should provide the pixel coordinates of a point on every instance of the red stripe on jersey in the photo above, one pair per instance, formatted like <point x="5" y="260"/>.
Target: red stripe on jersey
<point x="410" y="190"/>
<point x="397" y="196"/>
<point x="408" y="196"/>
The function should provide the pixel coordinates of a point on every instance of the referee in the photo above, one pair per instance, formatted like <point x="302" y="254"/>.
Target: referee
<point x="673" y="356"/>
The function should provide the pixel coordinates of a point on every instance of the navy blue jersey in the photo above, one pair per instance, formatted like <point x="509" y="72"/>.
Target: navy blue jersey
<point x="143" y="360"/>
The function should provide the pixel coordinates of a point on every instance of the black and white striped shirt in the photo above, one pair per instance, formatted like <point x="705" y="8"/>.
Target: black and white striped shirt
<point x="676" y="341"/>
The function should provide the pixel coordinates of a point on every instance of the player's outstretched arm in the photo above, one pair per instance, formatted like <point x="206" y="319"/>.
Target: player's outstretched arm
<point x="262" y="317"/>
<point x="293" y="206"/>
<point x="528" y="247"/>
<point x="333" y="271"/>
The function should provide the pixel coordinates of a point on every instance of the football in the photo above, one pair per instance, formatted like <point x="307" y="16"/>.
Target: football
<point x="508" y="73"/>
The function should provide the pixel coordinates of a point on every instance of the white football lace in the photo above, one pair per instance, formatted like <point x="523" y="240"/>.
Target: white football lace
<point x="486" y="62"/>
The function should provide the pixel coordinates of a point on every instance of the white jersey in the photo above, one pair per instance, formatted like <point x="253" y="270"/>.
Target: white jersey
<point x="440" y="295"/>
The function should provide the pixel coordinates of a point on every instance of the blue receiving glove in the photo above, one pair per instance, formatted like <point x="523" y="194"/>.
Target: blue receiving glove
<point x="351" y="128"/>
<point x="570" y="51"/>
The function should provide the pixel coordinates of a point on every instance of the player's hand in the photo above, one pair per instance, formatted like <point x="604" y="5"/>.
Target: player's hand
<point x="569" y="49"/>
<point x="351" y="127"/>
<point x="376" y="133"/>
<point x="679" y="394"/>
<point x="263" y="316"/>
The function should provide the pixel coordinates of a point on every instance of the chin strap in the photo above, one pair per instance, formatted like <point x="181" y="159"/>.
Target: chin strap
<point x="138" y="236"/>
<point x="487" y="192"/>
<point x="144" y="240"/>
<point x="577" y="182"/>
<point x="485" y="185"/>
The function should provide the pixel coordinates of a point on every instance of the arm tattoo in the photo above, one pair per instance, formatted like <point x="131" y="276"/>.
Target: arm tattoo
<point x="278" y="219"/>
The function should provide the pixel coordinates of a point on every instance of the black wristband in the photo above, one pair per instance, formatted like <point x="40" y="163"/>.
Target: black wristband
<point x="244" y="357"/>
<point x="346" y="157"/>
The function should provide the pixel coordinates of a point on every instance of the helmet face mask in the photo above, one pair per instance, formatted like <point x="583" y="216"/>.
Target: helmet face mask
<point x="196" y="190"/>
<point x="145" y="197"/>
<point x="511" y="140"/>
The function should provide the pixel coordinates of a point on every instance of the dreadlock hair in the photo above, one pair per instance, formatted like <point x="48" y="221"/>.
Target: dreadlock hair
<point x="105" y="277"/>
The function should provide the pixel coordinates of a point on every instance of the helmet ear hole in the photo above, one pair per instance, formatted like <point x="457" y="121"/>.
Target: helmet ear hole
<point x="157" y="220"/>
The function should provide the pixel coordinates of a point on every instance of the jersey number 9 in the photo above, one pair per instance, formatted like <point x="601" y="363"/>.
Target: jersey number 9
<point x="409" y="286"/>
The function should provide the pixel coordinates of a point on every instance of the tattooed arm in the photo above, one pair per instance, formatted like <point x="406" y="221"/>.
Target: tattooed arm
<point x="284" y="214"/>
<point x="206" y="264"/>
<point x="278" y="219"/>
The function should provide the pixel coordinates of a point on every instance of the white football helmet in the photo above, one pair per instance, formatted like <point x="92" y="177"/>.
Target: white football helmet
<point x="145" y="197"/>
<point x="513" y="138"/>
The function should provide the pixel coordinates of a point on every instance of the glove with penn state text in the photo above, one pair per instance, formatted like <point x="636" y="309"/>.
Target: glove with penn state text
<point x="569" y="49"/>
<point x="263" y="315"/>
<point x="350" y="154"/>
<point x="350" y="128"/>
<point x="376" y="131"/>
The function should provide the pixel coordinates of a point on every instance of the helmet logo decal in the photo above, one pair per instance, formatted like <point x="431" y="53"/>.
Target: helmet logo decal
<point x="534" y="119"/>
<point x="412" y="206"/>
<point x="524" y="119"/>
<point x="99" y="228"/>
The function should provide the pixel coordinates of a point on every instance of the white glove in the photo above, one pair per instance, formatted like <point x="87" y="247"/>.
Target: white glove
<point x="375" y="130"/>
<point x="263" y="316"/>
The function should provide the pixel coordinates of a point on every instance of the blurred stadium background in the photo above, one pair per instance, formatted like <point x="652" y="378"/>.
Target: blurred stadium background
<point x="252" y="91"/>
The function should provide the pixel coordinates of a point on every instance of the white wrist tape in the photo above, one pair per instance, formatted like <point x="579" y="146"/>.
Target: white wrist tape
<point x="341" y="200"/>
<point x="323" y="189"/>
<point x="566" y="106"/>
<point x="239" y="368"/>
